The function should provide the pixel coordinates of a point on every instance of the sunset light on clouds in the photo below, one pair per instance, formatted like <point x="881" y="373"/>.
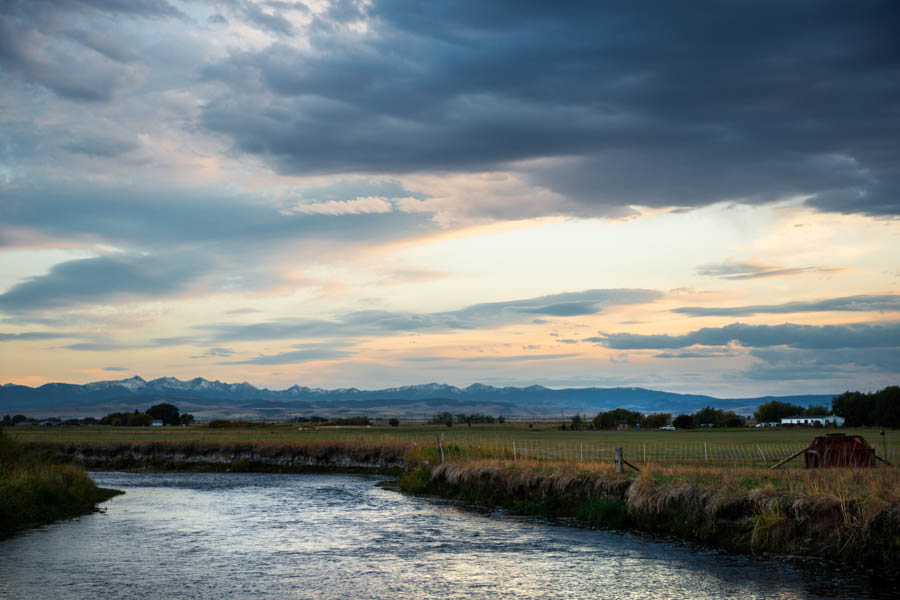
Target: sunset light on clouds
<point x="698" y="198"/>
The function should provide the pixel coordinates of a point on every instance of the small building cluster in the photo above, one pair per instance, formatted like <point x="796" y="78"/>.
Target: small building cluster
<point x="814" y="421"/>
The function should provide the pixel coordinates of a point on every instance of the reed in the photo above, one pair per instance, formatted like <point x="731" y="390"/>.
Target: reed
<point x="35" y="490"/>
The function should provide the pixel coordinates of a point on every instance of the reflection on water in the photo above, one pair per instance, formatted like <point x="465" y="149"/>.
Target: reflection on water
<point x="191" y="535"/>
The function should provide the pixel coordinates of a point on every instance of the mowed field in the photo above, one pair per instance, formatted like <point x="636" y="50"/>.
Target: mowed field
<point x="542" y="441"/>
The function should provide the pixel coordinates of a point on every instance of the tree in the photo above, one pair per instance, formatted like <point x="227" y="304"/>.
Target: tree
<point x="186" y="419"/>
<point x="608" y="419"/>
<point x="657" y="420"/>
<point x="773" y="411"/>
<point x="683" y="422"/>
<point x="394" y="423"/>
<point x="577" y="422"/>
<point x="443" y="418"/>
<point x="880" y="409"/>
<point x="165" y="412"/>
<point x="816" y="410"/>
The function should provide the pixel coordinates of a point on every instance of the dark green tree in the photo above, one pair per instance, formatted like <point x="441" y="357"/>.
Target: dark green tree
<point x="683" y="422"/>
<point x="165" y="412"/>
<point x="657" y="420"/>
<point x="394" y="423"/>
<point x="773" y="411"/>
<point x="186" y="419"/>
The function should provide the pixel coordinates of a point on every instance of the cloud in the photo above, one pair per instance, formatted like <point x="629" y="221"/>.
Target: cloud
<point x="104" y="147"/>
<point x="306" y="353"/>
<point x="216" y="352"/>
<point x="517" y="358"/>
<point x="738" y="271"/>
<point x="101" y="280"/>
<point x="359" y="206"/>
<point x="486" y="316"/>
<point x="856" y="335"/>
<point x="778" y="364"/>
<point x="33" y="335"/>
<point x="862" y="303"/>
<point x="616" y="105"/>
<point x="115" y="368"/>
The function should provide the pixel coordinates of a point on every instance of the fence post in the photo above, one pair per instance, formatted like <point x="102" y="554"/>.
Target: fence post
<point x="705" y="453"/>
<point x="581" y="450"/>
<point x="618" y="460"/>
<point x="441" y="446"/>
<point x="645" y="453"/>
<point x="761" y="453"/>
<point x="515" y="456"/>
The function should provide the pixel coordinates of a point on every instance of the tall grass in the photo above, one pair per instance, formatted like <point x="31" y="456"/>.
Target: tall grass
<point x="850" y="514"/>
<point x="34" y="490"/>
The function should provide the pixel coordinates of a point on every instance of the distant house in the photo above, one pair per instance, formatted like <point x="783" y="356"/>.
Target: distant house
<point x="820" y="420"/>
<point x="156" y="423"/>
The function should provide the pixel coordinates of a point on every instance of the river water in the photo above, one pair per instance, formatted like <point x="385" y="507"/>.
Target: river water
<point x="228" y="535"/>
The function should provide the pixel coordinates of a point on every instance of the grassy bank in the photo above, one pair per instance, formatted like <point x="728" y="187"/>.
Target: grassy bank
<point x="848" y="515"/>
<point x="35" y="490"/>
<point x="310" y="456"/>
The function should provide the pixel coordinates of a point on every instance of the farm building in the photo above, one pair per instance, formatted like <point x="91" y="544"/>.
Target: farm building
<point x="820" y="420"/>
<point x="156" y="423"/>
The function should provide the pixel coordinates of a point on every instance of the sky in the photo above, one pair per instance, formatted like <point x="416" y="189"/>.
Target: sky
<point x="695" y="197"/>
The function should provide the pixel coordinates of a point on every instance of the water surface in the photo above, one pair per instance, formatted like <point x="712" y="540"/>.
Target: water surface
<point x="228" y="535"/>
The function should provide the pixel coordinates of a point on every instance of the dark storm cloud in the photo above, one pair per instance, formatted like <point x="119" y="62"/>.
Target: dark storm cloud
<point x="101" y="146"/>
<point x="44" y="42"/>
<point x="253" y="14"/>
<point x="855" y="335"/>
<point x="629" y="103"/>
<point x="161" y="215"/>
<point x="486" y="315"/>
<point x="889" y="302"/>
<point x="100" y="280"/>
<point x="776" y="364"/>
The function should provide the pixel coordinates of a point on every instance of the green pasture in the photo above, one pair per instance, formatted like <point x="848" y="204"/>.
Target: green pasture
<point x="543" y="441"/>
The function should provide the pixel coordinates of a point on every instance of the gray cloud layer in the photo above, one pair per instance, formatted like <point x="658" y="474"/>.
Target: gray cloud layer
<point x="887" y="302"/>
<point x="487" y="315"/>
<point x="635" y="103"/>
<point x="101" y="279"/>
<point x="856" y="335"/>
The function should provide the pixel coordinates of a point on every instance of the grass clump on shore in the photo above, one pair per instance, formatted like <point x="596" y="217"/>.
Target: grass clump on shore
<point x="34" y="490"/>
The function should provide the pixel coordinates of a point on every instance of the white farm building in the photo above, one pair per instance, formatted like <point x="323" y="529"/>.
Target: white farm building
<point x="823" y="420"/>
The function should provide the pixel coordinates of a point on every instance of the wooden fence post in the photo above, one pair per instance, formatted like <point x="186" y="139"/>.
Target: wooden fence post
<point x="618" y="460"/>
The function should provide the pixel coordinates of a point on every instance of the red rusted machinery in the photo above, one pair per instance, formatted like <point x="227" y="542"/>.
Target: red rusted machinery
<point x="836" y="450"/>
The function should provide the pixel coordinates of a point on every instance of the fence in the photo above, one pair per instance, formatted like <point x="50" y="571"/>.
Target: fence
<point x="697" y="453"/>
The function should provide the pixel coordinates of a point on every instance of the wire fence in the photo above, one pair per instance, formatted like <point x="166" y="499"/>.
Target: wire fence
<point x="693" y="453"/>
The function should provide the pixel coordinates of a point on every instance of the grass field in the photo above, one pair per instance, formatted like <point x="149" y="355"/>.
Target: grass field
<point x="541" y="441"/>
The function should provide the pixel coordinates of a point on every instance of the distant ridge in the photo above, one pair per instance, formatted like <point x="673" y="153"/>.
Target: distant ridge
<point x="228" y="399"/>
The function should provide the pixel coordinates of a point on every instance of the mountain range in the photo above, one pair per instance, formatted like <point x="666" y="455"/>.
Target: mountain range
<point x="211" y="399"/>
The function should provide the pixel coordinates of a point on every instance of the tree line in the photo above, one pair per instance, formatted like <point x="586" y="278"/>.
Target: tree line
<point x="611" y="419"/>
<point x="874" y="409"/>
<point x="165" y="412"/>
<point x="447" y="418"/>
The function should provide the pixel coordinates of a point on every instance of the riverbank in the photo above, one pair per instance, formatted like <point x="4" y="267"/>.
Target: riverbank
<point x="271" y="457"/>
<point x="863" y="529"/>
<point x="36" y="489"/>
<point x="849" y="515"/>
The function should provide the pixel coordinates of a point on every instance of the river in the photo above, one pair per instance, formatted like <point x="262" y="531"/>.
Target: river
<point x="228" y="535"/>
